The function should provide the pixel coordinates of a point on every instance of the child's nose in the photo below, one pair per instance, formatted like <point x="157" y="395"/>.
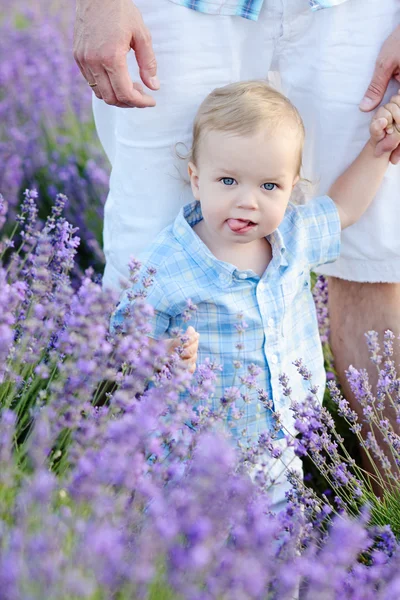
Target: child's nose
<point x="248" y="200"/>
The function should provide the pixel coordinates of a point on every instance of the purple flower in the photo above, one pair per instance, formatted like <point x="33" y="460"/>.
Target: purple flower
<point x="52" y="148"/>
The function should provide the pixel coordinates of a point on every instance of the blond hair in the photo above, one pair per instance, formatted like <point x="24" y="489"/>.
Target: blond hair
<point x="242" y="108"/>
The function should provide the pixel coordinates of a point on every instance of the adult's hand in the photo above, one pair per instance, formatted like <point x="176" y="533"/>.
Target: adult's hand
<point x="387" y="67"/>
<point x="105" y="31"/>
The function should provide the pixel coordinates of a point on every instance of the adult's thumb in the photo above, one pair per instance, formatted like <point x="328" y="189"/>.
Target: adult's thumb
<point x="378" y="86"/>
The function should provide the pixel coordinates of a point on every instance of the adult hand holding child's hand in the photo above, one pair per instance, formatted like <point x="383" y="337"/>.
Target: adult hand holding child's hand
<point x="190" y="347"/>
<point x="104" y="33"/>
<point x="385" y="127"/>
<point x="387" y="67"/>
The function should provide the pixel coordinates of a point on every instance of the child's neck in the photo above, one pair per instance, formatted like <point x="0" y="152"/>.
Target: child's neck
<point x="255" y="255"/>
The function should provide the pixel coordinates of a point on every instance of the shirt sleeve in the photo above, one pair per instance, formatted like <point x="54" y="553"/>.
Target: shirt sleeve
<point x="321" y="221"/>
<point x="155" y="297"/>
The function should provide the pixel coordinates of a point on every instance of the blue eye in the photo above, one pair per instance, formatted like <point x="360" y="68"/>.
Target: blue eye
<point x="230" y="180"/>
<point x="269" y="186"/>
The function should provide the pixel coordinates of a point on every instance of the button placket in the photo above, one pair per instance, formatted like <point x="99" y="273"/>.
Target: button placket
<point x="224" y="279"/>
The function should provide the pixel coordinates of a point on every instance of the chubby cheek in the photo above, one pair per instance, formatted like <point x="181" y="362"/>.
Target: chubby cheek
<point x="274" y="217"/>
<point x="214" y="215"/>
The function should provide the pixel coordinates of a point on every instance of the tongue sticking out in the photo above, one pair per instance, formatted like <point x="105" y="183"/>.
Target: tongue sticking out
<point x="238" y="224"/>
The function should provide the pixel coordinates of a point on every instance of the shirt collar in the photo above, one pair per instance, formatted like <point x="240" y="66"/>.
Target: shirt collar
<point x="278" y="246"/>
<point x="221" y="272"/>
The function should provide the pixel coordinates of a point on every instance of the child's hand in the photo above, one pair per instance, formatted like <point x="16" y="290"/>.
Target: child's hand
<point x="385" y="127"/>
<point x="189" y="354"/>
<point x="189" y="348"/>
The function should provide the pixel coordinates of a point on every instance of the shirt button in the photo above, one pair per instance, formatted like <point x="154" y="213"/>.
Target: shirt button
<point x="274" y="359"/>
<point x="271" y="322"/>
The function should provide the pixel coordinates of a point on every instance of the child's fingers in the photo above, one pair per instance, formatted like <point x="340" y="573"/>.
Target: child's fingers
<point x="192" y="367"/>
<point x="381" y="121"/>
<point x="378" y="125"/>
<point x="396" y="98"/>
<point x="384" y="113"/>
<point x="191" y="350"/>
<point x="172" y="344"/>
<point x="377" y="130"/>
<point x="193" y="340"/>
<point x="192" y="334"/>
<point x="394" y="109"/>
<point x="188" y="349"/>
<point x="190" y="363"/>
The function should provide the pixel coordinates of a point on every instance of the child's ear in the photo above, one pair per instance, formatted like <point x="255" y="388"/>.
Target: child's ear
<point x="296" y="180"/>
<point x="194" y="180"/>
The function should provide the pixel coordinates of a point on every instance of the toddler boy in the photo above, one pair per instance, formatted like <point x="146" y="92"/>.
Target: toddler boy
<point x="241" y="251"/>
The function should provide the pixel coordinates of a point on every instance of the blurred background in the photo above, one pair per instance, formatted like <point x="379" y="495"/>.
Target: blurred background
<point x="47" y="135"/>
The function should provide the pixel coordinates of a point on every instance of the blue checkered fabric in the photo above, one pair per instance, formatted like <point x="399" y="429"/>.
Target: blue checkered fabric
<point x="277" y="308"/>
<point x="249" y="9"/>
<point x="318" y="4"/>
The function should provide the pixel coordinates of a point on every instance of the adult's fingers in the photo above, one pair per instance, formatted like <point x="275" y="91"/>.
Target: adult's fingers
<point x="89" y="78"/>
<point x="146" y="59"/>
<point x="124" y="90"/>
<point x="95" y="73"/>
<point x="103" y="87"/>
<point x="383" y="72"/>
<point x="107" y="83"/>
<point x="104" y="33"/>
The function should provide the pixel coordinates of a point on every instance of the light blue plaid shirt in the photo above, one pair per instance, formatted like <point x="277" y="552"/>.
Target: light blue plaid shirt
<point x="249" y="9"/>
<point x="278" y="307"/>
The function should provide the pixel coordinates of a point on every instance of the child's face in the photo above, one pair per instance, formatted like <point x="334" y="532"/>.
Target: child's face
<point x="244" y="182"/>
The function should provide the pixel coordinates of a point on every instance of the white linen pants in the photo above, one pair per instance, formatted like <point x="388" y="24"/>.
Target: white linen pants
<point x="324" y="60"/>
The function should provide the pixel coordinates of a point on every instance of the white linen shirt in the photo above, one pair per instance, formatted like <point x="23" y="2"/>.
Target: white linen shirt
<point x="278" y="307"/>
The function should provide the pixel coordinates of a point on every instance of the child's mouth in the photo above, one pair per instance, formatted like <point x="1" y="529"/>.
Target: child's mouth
<point x="240" y="225"/>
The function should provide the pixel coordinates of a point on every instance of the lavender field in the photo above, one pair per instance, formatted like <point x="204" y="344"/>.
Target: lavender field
<point x="112" y="486"/>
<point x="47" y="138"/>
